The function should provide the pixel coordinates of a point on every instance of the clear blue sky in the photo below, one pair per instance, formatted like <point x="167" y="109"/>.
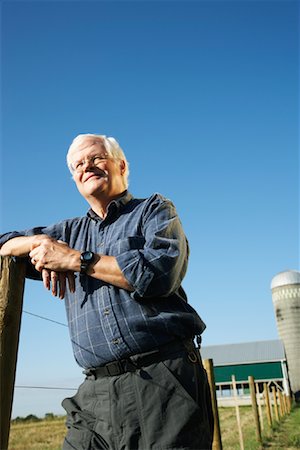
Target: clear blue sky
<point x="203" y="97"/>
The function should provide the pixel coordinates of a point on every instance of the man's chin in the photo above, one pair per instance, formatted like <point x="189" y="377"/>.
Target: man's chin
<point x="92" y="189"/>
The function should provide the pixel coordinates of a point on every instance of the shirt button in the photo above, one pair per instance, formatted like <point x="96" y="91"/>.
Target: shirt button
<point x="116" y="341"/>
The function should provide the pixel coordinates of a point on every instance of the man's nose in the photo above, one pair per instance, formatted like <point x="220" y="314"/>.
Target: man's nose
<point x="88" y="163"/>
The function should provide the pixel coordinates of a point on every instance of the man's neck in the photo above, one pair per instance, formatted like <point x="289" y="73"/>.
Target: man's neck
<point x="99" y="206"/>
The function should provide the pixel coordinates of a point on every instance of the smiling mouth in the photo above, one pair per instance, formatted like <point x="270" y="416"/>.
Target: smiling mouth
<point x="95" y="175"/>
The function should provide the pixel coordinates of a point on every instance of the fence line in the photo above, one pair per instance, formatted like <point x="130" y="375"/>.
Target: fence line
<point x="256" y="401"/>
<point x="12" y="276"/>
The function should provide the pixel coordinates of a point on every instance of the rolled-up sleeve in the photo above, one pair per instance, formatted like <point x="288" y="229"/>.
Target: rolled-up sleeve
<point x="54" y="231"/>
<point x="157" y="269"/>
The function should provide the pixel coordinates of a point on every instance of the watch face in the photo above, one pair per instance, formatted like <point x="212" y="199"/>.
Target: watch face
<point x="87" y="256"/>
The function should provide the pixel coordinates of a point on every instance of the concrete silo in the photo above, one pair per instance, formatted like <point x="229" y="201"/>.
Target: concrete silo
<point x="286" y="299"/>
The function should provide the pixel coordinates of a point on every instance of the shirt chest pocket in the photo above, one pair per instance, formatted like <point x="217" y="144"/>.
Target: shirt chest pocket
<point x="126" y="244"/>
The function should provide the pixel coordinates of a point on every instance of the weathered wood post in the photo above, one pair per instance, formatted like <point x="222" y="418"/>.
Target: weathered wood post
<point x="237" y="411"/>
<point x="268" y="407"/>
<point x="261" y="419"/>
<point x="275" y="403"/>
<point x="289" y="403"/>
<point x="12" y="277"/>
<point x="281" y="407"/>
<point x="255" y="408"/>
<point x="208" y="366"/>
<point x="284" y="404"/>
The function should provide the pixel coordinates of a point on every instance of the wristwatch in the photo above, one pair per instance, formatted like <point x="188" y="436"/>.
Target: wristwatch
<point x="86" y="258"/>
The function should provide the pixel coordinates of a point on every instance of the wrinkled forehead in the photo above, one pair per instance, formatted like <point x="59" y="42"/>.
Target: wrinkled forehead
<point x="85" y="147"/>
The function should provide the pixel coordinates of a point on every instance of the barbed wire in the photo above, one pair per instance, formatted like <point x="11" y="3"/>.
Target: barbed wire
<point x="45" y="318"/>
<point x="46" y="387"/>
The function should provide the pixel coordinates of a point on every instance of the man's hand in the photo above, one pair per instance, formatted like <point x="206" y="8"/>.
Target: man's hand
<point x="57" y="282"/>
<point x="57" y="256"/>
<point x="54" y="277"/>
<point x="54" y="260"/>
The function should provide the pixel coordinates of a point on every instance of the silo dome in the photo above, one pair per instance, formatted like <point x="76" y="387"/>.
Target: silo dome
<point x="286" y="299"/>
<point x="285" y="278"/>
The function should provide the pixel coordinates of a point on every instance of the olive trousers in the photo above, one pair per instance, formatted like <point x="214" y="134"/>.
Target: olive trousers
<point x="162" y="406"/>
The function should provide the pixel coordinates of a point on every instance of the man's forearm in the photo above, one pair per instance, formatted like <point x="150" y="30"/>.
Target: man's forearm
<point x="106" y="268"/>
<point x="18" y="246"/>
<point x="47" y="253"/>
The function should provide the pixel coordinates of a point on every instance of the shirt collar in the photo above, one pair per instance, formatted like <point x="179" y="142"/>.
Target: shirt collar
<point x="113" y="207"/>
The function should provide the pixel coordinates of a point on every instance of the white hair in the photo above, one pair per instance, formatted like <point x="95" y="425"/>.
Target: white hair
<point x="110" y="144"/>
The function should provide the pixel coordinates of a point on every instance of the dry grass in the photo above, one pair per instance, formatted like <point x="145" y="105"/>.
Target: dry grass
<point x="49" y="434"/>
<point x="44" y="435"/>
<point x="287" y="433"/>
<point x="229" y="430"/>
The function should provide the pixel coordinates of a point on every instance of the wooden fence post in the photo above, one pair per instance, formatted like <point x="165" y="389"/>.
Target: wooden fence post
<point x="267" y="400"/>
<point x="261" y="419"/>
<point x="280" y="403"/>
<point x="208" y="366"/>
<point x="284" y="404"/>
<point x="275" y="403"/>
<point x="255" y="408"/>
<point x="12" y="277"/>
<point x="237" y="411"/>
<point x="289" y="403"/>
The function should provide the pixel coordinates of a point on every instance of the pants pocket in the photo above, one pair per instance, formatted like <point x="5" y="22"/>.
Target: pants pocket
<point x="77" y="439"/>
<point x="186" y="376"/>
<point x="81" y="434"/>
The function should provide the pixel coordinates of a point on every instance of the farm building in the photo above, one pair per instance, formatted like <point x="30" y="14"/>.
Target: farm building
<point x="264" y="360"/>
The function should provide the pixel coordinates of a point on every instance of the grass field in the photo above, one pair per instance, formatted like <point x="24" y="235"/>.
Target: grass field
<point x="48" y="434"/>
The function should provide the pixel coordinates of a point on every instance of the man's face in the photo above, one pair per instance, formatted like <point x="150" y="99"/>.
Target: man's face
<point x="96" y="174"/>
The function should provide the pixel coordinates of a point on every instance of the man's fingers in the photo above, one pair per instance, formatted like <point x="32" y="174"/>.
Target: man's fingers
<point x="32" y="255"/>
<point x="54" y="280"/>
<point x="71" y="281"/>
<point x="62" y="284"/>
<point x="58" y="282"/>
<point x="35" y="260"/>
<point x="46" y="278"/>
<point x="38" y="266"/>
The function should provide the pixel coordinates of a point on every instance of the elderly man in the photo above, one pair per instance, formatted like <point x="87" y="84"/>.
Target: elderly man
<point x="120" y="269"/>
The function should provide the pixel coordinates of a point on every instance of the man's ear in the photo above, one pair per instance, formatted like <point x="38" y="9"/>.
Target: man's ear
<point x="122" y="166"/>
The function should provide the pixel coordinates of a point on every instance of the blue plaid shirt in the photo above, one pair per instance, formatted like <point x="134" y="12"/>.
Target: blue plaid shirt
<point x="108" y="323"/>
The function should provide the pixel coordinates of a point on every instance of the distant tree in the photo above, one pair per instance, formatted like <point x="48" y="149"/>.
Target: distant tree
<point x="18" y="419"/>
<point x="31" y="418"/>
<point x="49" y="416"/>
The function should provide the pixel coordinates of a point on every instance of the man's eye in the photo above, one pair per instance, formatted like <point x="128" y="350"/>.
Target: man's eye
<point x="97" y="159"/>
<point x="78" y="165"/>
